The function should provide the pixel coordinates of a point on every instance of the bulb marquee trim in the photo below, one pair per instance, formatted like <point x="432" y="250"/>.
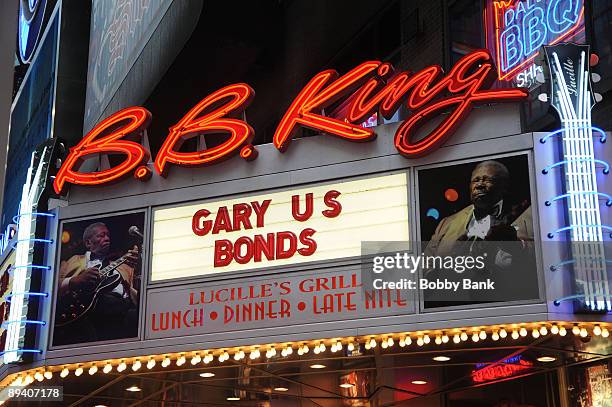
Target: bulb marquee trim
<point x="390" y="342"/>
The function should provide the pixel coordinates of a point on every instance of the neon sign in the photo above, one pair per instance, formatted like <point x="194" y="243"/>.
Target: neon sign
<point x="372" y="87"/>
<point x="520" y="28"/>
<point x="31" y="20"/>
<point x="506" y="368"/>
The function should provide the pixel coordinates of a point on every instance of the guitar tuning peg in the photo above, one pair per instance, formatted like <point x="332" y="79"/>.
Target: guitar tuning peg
<point x="540" y="77"/>
<point x="598" y="97"/>
<point x="543" y="97"/>
<point x="595" y="77"/>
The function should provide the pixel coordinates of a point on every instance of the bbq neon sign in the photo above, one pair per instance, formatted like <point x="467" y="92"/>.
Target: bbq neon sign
<point x="520" y="28"/>
<point x="371" y="87"/>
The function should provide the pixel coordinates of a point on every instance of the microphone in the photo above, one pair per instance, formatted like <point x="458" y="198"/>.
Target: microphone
<point x="134" y="231"/>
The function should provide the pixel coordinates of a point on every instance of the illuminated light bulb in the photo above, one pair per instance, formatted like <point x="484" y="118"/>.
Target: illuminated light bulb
<point x="300" y="352"/>
<point x="535" y="333"/>
<point x="543" y="331"/>
<point x="351" y="346"/>
<point x="456" y="338"/>
<point x="367" y="345"/>
<point x="426" y="339"/>
<point x="482" y="335"/>
<point x="372" y="343"/>
<point x="475" y="337"/>
<point x="583" y="333"/>
<point x="562" y="331"/>
<point x="384" y="344"/>
<point x="48" y="375"/>
<point x="226" y="355"/>
<point x="284" y="352"/>
<point x="306" y="349"/>
<point x="242" y="354"/>
<point x="597" y="330"/>
<point x="64" y="372"/>
<point x="322" y="347"/>
<point x="316" y="350"/>
<point x="107" y="368"/>
<point x="122" y="366"/>
<point x="503" y="333"/>
<point x="402" y="342"/>
<point x="181" y="360"/>
<point x="390" y="342"/>
<point x="78" y="371"/>
<point x="18" y="381"/>
<point x="151" y="364"/>
<point x="253" y="355"/>
<point x="605" y="333"/>
<point x="495" y="336"/>
<point x="196" y="359"/>
<point x="136" y="365"/>
<point x="576" y="330"/>
<point x="420" y="341"/>
<point x="290" y="348"/>
<point x="515" y="334"/>
<point x="523" y="332"/>
<point x="39" y="376"/>
<point x="29" y="379"/>
<point x="93" y="370"/>
<point x="438" y="340"/>
<point x="408" y="340"/>
<point x="165" y="362"/>
<point x="237" y="355"/>
<point x="273" y="351"/>
<point x="445" y="338"/>
<point x="464" y="336"/>
<point x="554" y="329"/>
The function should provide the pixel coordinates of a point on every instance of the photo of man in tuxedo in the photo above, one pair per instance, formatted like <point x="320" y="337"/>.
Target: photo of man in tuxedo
<point x="494" y="220"/>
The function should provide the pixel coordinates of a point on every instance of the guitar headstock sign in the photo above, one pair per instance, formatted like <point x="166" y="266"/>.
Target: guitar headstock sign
<point x="372" y="87"/>
<point x="572" y="97"/>
<point x="516" y="29"/>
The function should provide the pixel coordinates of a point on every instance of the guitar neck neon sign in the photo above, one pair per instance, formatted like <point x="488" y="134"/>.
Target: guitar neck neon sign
<point x="522" y="27"/>
<point x="370" y="87"/>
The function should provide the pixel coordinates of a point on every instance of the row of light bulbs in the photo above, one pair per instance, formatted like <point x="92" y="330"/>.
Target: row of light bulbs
<point x="386" y="341"/>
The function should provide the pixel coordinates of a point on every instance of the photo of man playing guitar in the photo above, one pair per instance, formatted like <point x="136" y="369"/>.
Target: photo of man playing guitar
<point x="97" y="289"/>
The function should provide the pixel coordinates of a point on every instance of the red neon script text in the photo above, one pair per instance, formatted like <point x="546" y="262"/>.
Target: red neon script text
<point x="370" y="87"/>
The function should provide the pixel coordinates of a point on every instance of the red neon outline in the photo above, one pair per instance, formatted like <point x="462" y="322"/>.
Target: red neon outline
<point x="249" y="152"/>
<point x="323" y="90"/>
<point x="500" y="371"/>
<point x="458" y="80"/>
<point x="426" y="93"/>
<point x="195" y="123"/>
<point x="505" y="4"/>
<point x="93" y="143"/>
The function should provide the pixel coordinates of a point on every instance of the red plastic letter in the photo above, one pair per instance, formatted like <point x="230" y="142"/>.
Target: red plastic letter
<point x="97" y="142"/>
<point x="317" y="95"/>
<point x="197" y="121"/>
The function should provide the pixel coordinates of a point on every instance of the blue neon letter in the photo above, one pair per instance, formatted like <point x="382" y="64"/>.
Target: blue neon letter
<point x="563" y="14"/>
<point x="534" y="29"/>
<point x="511" y="47"/>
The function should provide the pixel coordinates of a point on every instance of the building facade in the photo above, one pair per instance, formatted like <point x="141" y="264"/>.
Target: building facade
<point x="300" y="203"/>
